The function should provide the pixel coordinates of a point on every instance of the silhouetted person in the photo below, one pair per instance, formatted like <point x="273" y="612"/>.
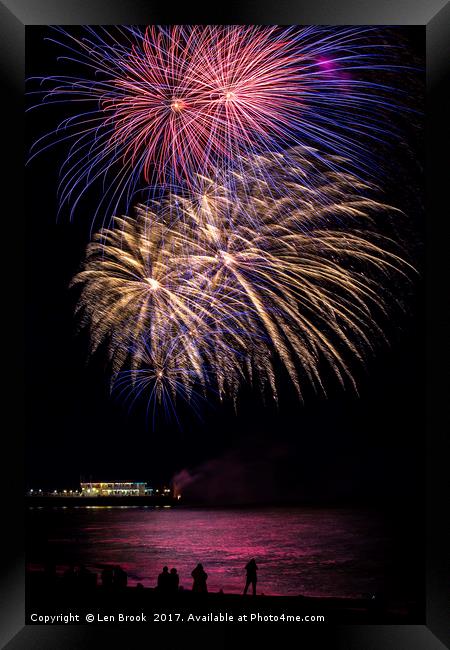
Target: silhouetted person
<point x="200" y="577"/>
<point x="251" y="569"/>
<point x="174" y="581"/>
<point x="120" y="577"/>
<point x="164" y="581"/>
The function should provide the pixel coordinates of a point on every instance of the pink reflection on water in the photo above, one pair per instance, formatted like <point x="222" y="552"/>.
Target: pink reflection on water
<point x="310" y="552"/>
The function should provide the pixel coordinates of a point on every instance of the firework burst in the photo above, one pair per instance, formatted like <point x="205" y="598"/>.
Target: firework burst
<point x="162" y="105"/>
<point x="191" y="293"/>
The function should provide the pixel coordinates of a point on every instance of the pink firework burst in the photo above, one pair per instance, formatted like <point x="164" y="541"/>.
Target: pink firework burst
<point x="157" y="107"/>
<point x="193" y="98"/>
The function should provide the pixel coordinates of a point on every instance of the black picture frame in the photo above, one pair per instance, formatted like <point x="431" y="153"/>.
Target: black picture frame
<point x="15" y="15"/>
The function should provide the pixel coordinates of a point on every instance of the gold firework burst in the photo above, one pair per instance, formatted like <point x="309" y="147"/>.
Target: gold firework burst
<point x="229" y="279"/>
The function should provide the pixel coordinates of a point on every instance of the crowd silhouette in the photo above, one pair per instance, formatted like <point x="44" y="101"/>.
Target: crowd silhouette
<point x="76" y="584"/>
<point x="116" y="578"/>
<point x="111" y="577"/>
<point x="79" y="584"/>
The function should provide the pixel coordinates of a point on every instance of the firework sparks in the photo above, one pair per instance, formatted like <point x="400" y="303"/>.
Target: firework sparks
<point x="228" y="297"/>
<point x="164" y="105"/>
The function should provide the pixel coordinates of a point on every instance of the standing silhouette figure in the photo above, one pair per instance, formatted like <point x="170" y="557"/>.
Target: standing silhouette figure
<point x="164" y="581"/>
<point x="251" y="569"/>
<point x="200" y="577"/>
<point x="174" y="580"/>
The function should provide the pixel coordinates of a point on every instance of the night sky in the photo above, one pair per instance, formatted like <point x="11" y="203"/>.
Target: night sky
<point x="367" y="449"/>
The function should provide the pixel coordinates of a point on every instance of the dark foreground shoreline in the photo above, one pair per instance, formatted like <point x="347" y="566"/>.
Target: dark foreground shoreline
<point x="55" y="599"/>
